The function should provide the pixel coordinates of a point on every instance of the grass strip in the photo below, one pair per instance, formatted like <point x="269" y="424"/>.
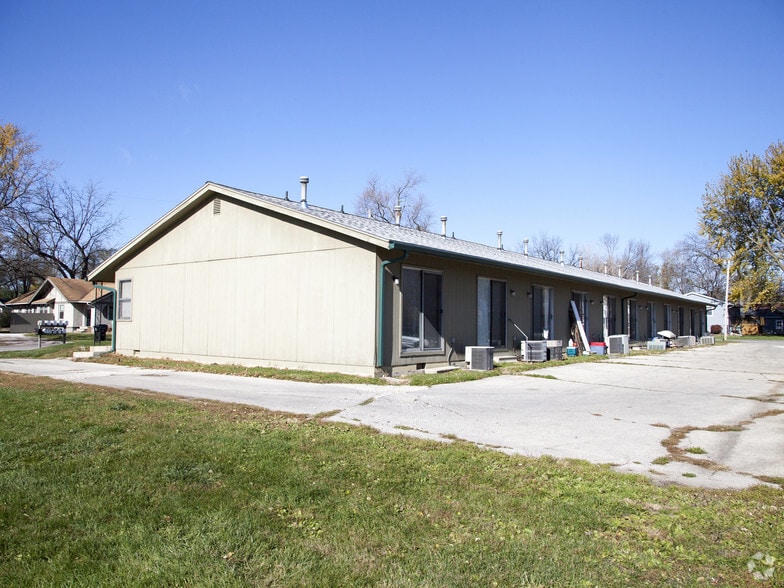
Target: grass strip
<point x="115" y="488"/>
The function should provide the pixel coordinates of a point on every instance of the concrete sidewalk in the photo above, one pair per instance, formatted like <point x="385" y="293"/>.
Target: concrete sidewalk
<point x="727" y="400"/>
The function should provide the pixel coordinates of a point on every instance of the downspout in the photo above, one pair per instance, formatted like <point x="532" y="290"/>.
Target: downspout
<point x="380" y="326"/>
<point x="114" y="313"/>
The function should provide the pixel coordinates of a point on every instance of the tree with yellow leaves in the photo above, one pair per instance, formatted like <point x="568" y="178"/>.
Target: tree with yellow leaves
<point x="742" y="215"/>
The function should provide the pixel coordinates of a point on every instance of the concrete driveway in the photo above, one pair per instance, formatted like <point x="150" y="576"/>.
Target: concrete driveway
<point x="725" y="403"/>
<point x="20" y="342"/>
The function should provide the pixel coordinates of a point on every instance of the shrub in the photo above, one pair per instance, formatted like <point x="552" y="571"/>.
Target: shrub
<point x="715" y="329"/>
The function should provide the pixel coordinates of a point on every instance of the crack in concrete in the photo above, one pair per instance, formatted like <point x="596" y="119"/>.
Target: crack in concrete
<point x="678" y="454"/>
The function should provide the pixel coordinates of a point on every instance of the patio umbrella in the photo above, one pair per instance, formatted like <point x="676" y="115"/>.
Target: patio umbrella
<point x="667" y="334"/>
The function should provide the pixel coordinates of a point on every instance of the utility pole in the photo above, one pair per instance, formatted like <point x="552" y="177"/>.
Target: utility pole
<point x="727" y="303"/>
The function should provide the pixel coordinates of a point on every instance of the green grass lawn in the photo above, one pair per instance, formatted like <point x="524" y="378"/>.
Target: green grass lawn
<point x="100" y="487"/>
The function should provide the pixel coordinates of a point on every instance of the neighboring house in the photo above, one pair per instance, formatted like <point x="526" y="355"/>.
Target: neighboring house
<point x="769" y="318"/>
<point x="231" y="276"/>
<point x="715" y="313"/>
<point x="63" y="299"/>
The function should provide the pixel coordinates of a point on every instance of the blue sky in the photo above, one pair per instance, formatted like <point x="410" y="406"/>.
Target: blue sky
<point x="575" y="118"/>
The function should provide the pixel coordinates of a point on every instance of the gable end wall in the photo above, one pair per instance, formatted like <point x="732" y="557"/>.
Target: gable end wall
<point x="250" y="288"/>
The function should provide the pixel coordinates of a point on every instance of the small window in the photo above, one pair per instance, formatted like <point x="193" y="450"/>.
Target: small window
<point x="125" y="295"/>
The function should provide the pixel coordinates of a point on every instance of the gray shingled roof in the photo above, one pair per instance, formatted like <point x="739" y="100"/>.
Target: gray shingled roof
<point x="404" y="238"/>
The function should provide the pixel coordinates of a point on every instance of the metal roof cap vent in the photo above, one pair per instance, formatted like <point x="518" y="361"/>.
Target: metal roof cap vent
<point x="398" y="214"/>
<point x="500" y="243"/>
<point x="525" y="246"/>
<point x="303" y="200"/>
<point x="443" y="226"/>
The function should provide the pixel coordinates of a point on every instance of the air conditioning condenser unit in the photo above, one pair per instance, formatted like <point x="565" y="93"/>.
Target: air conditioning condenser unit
<point x="479" y="358"/>
<point x="534" y="350"/>
<point x="618" y="344"/>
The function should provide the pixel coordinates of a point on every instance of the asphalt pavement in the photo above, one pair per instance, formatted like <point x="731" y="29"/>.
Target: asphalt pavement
<point x="724" y="406"/>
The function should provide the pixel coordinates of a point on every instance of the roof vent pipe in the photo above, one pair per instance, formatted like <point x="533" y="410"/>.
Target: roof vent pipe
<point x="605" y="269"/>
<point x="500" y="242"/>
<point x="525" y="246"/>
<point x="619" y="271"/>
<point x="562" y="256"/>
<point x="443" y="226"/>
<point x="398" y="214"/>
<point x="650" y="279"/>
<point x="581" y="262"/>
<point x="637" y="276"/>
<point x="303" y="200"/>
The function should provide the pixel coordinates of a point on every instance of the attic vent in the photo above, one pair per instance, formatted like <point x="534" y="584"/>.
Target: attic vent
<point x="216" y="204"/>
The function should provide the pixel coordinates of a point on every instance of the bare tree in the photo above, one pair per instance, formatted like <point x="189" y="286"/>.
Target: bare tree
<point x="550" y="247"/>
<point x="608" y="244"/>
<point x="637" y="261"/>
<point x="546" y="246"/>
<point x="694" y="265"/>
<point x="18" y="270"/>
<point x="379" y="201"/>
<point x="634" y="261"/>
<point x="68" y="228"/>
<point x="603" y="256"/>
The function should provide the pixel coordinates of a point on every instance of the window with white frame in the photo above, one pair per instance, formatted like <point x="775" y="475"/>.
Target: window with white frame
<point x="422" y="310"/>
<point x="125" y="297"/>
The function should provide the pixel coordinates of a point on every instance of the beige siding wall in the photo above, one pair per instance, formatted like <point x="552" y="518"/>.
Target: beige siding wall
<point x="244" y="287"/>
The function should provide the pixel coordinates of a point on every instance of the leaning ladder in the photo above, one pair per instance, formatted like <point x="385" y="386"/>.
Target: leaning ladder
<point x="580" y="328"/>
